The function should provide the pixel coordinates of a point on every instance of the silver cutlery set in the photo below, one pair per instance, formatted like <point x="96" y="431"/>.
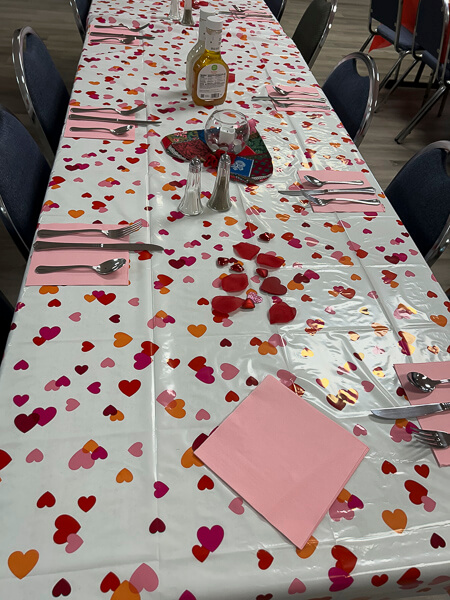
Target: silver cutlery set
<point x="435" y="439"/>
<point x="104" y="268"/>
<point x="319" y="197"/>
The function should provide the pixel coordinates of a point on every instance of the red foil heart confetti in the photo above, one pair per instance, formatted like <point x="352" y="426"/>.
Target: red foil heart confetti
<point x="266" y="237"/>
<point x="269" y="260"/>
<point x="245" y="250"/>
<point x="226" y="304"/>
<point x="248" y="304"/>
<point x="281" y="313"/>
<point x="272" y="285"/>
<point x="235" y="283"/>
<point x="237" y="268"/>
<point x="222" y="261"/>
<point x="262" y="272"/>
<point x="254" y="296"/>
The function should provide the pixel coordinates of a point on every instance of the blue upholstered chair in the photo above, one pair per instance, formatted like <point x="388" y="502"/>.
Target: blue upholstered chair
<point x="42" y="88"/>
<point x="6" y="315"/>
<point x="24" y="175"/>
<point x="430" y="33"/>
<point x="420" y="194"/>
<point x="80" y="12"/>
<point x="388" y="14"/>
<point x="277" y="7"/>
<point x="353" y="96"/>
<point x="313" y="28"/>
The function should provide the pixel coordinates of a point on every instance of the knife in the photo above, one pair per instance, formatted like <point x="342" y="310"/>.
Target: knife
<point x="73" y="117"/>
<point x="411" y="411"/>
<point x="122" y="35"/>
<point x="135" y="247"/>
<point x="354" y="190"/>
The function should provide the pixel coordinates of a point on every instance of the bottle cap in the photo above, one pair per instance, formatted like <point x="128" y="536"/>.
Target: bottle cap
<point x="214" y="23"/>
<point x="206" y="12"/>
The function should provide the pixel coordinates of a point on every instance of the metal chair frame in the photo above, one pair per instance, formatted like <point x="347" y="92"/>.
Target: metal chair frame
<point x="438" y="74"/>
<point x="78" y="21"/>
<point x="12" y="230"/>
<point x="373" y="91"/>
<point x="325" y="33"/>
<point x="281" y="11"/>
<point x="18" y="42"/>
<point x="443" y="239"/>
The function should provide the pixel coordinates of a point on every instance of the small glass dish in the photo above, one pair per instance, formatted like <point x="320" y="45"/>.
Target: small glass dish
<point x="227" y="131"/>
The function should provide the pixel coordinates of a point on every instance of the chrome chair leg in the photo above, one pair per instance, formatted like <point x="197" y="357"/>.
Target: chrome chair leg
<point x="427" y="91"/>
<point x="367" y="42"/>
<point x="396" y="66"/>
<point x="396" y="85"/>
<point x="419" y="72"/>
<point x="444" y="99"/>
<point x="420" y="115"/>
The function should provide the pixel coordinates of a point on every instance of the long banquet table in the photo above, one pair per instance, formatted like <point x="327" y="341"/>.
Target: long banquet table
<point x="104" y="497"/>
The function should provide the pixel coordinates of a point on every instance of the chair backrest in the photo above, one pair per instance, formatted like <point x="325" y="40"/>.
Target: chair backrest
<point x="42" y="88"/>
<point x="6" y="315"/>
<point x="277" y="7"/>
<point x="386" y="12"/>
<point x="353" y="96"/>
<point x="431" y="28"/>
<point x="24" y="175"/>
<point x="80" y="10"/>
<point x="312" y="29"/>
<point x="420" y="194"/>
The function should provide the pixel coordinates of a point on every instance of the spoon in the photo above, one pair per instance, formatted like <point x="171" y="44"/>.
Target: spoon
<point x="119" y="131"/>
<point x="133" y="29"/>
<point x="123" y="113"/>
<point x="424" y="383"/>
<point x="319" y="183"/>
<point x="104" y="268"/>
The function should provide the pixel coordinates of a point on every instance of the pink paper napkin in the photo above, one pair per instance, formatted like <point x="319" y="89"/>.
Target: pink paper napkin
<point x="284" y="457"/>
<point x="78" y="257"/>
<point x="99" y="135"/>
<point x="439" y="421"/>
<point x="343" y="176"/>
<point x="120" y="31"/>
<point x="296" y="105"/>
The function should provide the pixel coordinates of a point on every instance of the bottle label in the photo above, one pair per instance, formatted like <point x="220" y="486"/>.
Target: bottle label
<point x="211" y="82"/>
<point x="213" y="39"/>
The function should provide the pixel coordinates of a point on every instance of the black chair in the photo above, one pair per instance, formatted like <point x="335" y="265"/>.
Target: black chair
<point x="313" y="28"/>
<point x="388" y="14"/>
<point x="430" y="33"/>
<point x="6" y="312"/>
<point x="353" y="96"/>
<point x="24" y="174"/>
<point x="43" y="91"/>
<point x="420" y="194"/>
<point x="277" y="7"/>
<point x="80" y="12"/>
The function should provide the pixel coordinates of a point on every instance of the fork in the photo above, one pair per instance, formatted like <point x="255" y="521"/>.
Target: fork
<point x="133" y="29"/>
<point x="324" y="202"/>
<point x="435" y="439"/>
<point x="124" y="113"/>
<point x="114" y="234"/>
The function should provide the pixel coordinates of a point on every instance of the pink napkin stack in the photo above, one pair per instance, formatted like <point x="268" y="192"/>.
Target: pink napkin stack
<point x="119" y="31"/>
<point x="438" y="421"/>
<point x="99" y="135"/>
<point x="284" y="457"/>
<point x="347" y="207"/>
<point x="78" y="257"/>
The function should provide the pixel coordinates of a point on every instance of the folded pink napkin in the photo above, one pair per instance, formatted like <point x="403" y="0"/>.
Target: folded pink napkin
<point x="99" y="135"/>
<point x="439" y="421"/>
<point x="284" y="457"/>
<point x="340" y="206"/>
<point x="78" y="257"/>
<point x="299" y="105"/>
<point x="120" y="31"/>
